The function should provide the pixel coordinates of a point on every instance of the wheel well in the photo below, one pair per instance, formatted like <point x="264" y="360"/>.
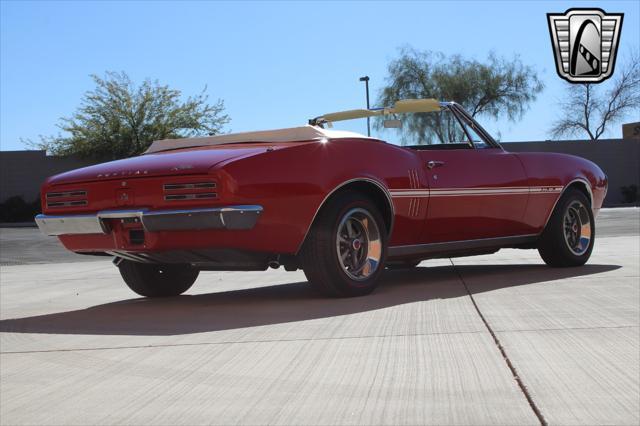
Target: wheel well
<point x="374" y="192"/>
<point x="581" y="186"/>
<point x="577" y="184"/>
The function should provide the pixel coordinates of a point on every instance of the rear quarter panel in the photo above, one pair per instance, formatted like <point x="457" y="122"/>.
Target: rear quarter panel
<point x="292" y="184"/>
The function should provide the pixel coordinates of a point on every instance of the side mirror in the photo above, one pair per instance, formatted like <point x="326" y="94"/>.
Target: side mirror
<point x="392" y="124"/>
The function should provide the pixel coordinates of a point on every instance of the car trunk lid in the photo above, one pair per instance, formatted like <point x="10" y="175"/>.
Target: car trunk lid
<point x="171" y="163"/>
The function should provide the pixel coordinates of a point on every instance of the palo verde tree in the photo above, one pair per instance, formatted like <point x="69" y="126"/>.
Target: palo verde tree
<point x="118" y="119"/>
<point x="590" y="109"/>
<point x="496" y="87"/>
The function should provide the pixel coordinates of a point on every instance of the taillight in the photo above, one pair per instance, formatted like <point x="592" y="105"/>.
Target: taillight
<point x="189" y="191"/>
<point x="66" y="199"/>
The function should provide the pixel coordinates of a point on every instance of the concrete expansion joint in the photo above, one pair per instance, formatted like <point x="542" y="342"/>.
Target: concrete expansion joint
<point x="514" y="372"/>
<point x="226" y="342"/>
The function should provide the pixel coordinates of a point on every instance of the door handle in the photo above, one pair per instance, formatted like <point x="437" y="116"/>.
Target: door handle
<point x="432" y="163"/>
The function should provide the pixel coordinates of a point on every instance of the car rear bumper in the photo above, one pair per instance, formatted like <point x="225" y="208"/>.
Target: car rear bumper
<point x="228" y="217"/>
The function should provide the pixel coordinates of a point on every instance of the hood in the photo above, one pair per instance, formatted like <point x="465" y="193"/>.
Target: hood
<point x="184" y="162"/>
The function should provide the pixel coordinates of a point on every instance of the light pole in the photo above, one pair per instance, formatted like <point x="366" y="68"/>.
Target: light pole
<point x="366" y="85"/>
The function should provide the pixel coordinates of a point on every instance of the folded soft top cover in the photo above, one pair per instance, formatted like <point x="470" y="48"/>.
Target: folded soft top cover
<point x="293" y="134"/>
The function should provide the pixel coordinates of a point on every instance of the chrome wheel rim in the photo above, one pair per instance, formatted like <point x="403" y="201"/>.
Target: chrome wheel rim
<point x="358" y="244"/>
<point x="576" y="226"/>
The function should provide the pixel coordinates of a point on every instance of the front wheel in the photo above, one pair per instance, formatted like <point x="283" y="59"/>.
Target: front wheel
<point x="157" y="280"/>
<point x="570" y="234"/>
<point x="345" y="250"/>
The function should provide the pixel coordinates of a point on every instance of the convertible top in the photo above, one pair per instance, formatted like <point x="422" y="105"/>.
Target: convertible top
<point x="293" y="134"/>
<point x="310" y="132"/>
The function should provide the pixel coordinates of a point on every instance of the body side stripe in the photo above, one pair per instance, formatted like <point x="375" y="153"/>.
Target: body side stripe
<point x="453" y="192"/>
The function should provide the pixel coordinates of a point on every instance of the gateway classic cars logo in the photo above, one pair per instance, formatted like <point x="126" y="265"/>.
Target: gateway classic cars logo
<point x="585" y="43"/>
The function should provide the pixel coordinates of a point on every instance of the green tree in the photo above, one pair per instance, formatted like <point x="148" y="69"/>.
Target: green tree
<point x="590" y="109"/>
<point x="496" y="87"/>
<point x="118" y="119"/>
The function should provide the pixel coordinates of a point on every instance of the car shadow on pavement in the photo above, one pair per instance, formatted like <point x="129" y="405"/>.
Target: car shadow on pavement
<point x="283" y="303"/>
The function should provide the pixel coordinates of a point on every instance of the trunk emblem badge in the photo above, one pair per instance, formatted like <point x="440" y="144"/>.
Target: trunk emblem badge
<point x="123" y="173"/>
<point x="124" y="197"/>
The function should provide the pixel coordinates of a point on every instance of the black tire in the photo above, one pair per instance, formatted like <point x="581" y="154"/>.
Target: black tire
<point x="320" y="258"/>
<point x="564" y="249"/>
<point x="409" y="264"/>
<point x="156" y="280"/>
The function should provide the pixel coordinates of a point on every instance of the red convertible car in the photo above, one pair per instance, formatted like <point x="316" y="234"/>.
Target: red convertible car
<point x="338" y="205"/>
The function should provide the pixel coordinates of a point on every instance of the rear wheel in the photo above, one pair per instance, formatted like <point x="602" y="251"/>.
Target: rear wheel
<point x="157" y="280"/>
<point x="345" y="250"/>
<point x="570" y="234"/>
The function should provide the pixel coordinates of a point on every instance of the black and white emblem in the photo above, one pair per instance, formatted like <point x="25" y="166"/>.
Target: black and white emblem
<point x="585" y="43"/>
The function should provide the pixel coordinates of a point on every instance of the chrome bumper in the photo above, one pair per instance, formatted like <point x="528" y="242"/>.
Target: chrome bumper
<point x="230" y="217"/>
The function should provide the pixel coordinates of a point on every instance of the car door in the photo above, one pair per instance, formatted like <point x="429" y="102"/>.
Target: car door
<point x="477" y="190"/>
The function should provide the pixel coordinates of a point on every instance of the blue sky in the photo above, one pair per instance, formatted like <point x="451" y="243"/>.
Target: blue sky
<point x="275" y="64"/>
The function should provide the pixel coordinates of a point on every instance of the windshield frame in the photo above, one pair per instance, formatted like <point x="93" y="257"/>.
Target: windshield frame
<point x="464" y="119"/>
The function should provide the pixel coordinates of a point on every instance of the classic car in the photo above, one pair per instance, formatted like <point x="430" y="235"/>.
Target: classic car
<point x="339" y="205"/>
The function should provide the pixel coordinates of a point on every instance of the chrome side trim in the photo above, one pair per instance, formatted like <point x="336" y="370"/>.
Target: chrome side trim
<point x="229" y="217"/>
<point x="452" y="246"/>
<point x="453" y="192"/>
<point x="589" y="190"/>
<point x="347" y="182"/>
<point x="401" y="193"/>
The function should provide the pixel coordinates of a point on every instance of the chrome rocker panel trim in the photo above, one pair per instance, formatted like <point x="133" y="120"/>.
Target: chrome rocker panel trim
<point x="228" y="217"/>
<point x="454" y="246"/>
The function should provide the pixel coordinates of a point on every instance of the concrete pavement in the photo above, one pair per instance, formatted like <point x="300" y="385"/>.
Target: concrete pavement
<point x="429" y="347"/>
<point x="21" y="246"/>
<point x="618" y="222"/>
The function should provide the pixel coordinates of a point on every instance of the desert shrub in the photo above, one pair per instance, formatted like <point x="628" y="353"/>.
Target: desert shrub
<point x="15" y="209"/>
<point x="629" y="193"/>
